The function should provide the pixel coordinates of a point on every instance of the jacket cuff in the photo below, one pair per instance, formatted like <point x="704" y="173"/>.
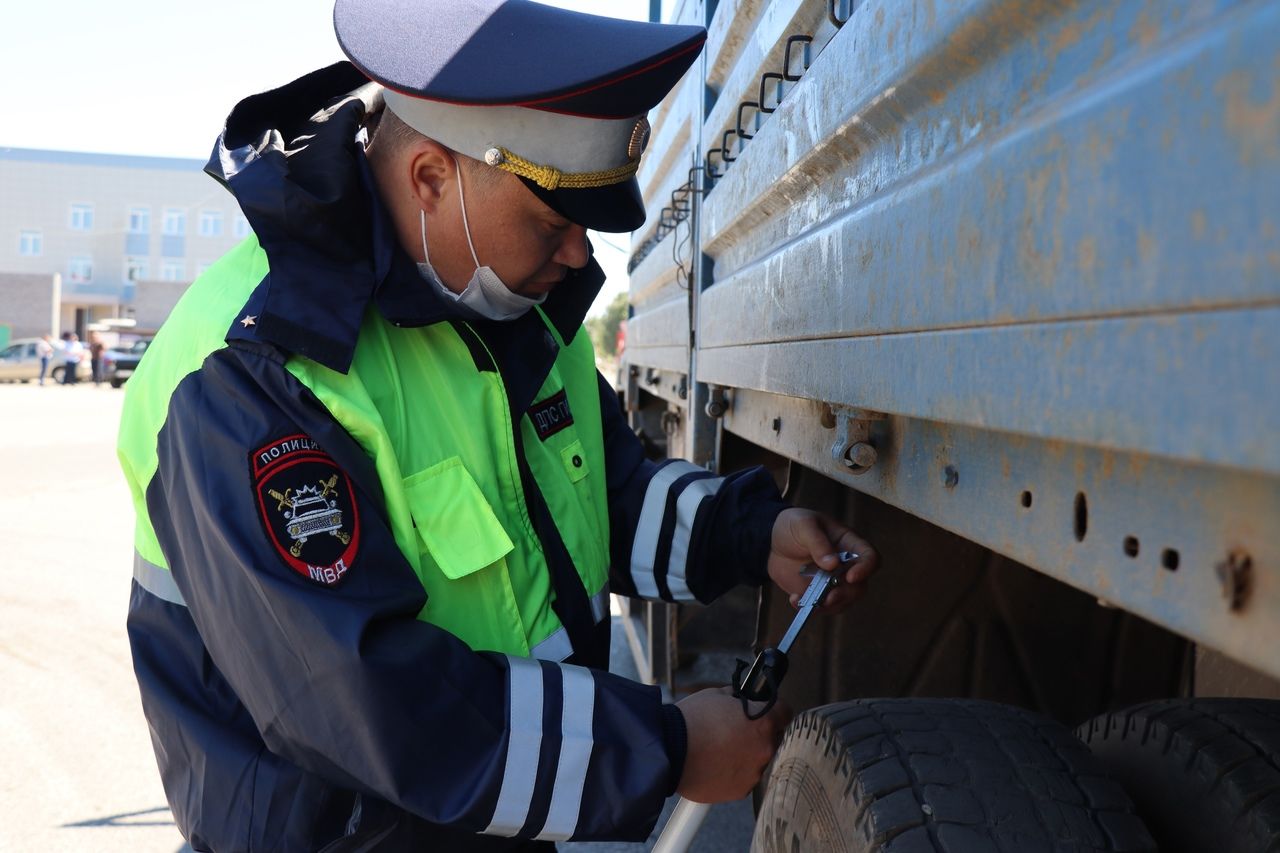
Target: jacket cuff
<point x="675" y="737"/>
<point x="758" y="532"/>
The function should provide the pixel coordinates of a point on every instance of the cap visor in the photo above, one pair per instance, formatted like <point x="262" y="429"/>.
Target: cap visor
<point x="617" y="208"/>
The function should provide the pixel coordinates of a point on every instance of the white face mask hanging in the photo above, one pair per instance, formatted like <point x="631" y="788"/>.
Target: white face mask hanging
<point x="485" y="295"/>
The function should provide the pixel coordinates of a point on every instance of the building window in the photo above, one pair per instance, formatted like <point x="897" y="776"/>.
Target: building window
<point x="135" y="269"/>
<point x="80" y="270"/>
<point x="81" y="217"/>
<point x="173" y="271"/>
<point x="175" y="221"/>
<point x="30" y="244"/>
<point x="139" y="220"/>
<point x="211" y="223"/>
<point x="241" y="228"/>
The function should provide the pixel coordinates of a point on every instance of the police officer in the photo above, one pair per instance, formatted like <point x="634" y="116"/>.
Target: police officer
<point x="382" y="492"/>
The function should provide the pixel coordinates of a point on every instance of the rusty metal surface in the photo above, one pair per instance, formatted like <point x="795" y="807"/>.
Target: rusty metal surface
<point x="1042" y="237"/>
<point x="1109" y="523"/>
<point x="761" y="43"/>
<point x="726" y="37"/>
<point x="1198" y="386"/>
<point x="1141" y="190"/>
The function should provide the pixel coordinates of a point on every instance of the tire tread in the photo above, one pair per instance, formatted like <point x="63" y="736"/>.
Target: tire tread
<point x="965" y="775"/>
<point x="1228" y="754"/>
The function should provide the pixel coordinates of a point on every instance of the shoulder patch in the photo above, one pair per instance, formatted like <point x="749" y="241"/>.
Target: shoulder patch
<point x="551" y="415"/>
<point x="308" y="507"/>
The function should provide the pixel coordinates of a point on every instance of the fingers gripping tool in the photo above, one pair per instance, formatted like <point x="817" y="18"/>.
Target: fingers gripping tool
<point x="759" y="681"/>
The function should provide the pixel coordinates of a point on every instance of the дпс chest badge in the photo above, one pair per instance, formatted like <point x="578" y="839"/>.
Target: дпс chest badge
<point x="308" y="507"/>
<point x="551" y="415"/>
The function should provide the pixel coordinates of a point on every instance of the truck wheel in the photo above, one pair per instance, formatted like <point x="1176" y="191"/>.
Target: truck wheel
<point x="905" y="775"/>
<point x="1203" y="773"/>
<point x="56" y="374"/>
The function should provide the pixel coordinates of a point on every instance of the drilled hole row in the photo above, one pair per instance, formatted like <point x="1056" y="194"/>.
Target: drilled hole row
<point x="1170" y="559"/>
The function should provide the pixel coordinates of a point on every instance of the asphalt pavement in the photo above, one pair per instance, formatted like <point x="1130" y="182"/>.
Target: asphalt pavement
<point x="78" y="772"/>
<point x="76" y="767"/>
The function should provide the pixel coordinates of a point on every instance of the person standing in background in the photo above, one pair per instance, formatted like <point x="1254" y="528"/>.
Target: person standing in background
<point x="44" y="349"/>
<point x="96" y="349"/>
<point x="72" y="352"/>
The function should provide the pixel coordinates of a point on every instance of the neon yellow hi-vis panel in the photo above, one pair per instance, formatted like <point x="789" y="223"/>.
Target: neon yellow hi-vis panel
<point x="196" y="327"/>
<point x="443" y="440"/>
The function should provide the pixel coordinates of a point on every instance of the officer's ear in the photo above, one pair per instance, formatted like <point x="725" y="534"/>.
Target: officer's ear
<point x="431" y="178"/>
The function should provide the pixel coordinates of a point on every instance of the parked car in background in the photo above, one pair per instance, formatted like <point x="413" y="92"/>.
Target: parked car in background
<point x="19" y="362"/>
<point x="118" y="364"/>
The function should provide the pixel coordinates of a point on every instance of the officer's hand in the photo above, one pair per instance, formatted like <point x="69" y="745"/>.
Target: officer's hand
<point x="727" y="753"/>
<point x="803" y="536"/>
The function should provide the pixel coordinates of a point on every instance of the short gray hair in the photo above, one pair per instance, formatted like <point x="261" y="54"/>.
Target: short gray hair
<point x="392" y="132"/>
<point x="390" y="135"/>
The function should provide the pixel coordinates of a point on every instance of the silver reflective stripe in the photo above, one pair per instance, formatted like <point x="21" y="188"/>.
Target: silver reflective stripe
<point x="523" y="747"/>
<point x="156" y="580"/>
<point x="686" y="511"/>
<point x="554" y="648"/>
<point x="644" y="549"/>
<point x="575" y="754"/>
<point x="600" y="605"/>
<point x="357" y="812"/>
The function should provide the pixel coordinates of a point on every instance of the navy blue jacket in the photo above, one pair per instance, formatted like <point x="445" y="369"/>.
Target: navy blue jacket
<point x="288" y="715"/>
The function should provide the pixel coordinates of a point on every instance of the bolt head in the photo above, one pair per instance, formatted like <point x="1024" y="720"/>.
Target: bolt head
<point x="859" y="457"/>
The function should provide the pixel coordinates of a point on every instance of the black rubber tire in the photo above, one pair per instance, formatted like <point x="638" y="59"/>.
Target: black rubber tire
<point x="905" y="775"/>
<point x="1203" y="773"/>
<point x="56" y="375"/>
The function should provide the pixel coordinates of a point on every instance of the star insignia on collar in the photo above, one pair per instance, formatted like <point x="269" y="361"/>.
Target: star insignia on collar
<point x="248" y="320"/>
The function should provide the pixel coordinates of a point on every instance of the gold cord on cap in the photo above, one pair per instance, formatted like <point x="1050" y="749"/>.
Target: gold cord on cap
<point x="551" y="178"/>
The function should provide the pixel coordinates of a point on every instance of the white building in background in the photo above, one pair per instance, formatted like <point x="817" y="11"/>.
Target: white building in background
<point x="86" y="238"/>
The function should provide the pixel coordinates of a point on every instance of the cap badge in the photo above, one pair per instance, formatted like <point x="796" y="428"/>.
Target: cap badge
<point x="639" y="138"/>
<point x="494" y="157"/>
